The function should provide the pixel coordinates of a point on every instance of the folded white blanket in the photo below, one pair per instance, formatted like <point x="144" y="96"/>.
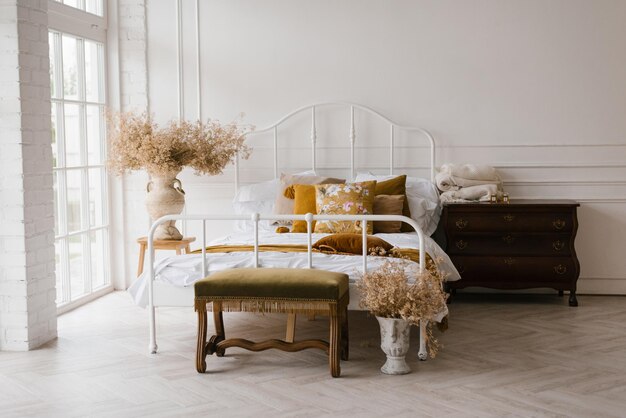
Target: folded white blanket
<point x="473" y="193"/>
<point x="471" y="171"/>
<point x="454" y="177"/>
<point x="446" y="182"/>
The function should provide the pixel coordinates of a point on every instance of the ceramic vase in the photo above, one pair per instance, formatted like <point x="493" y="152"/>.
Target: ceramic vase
<point x="165" y="196"/>
<point x="394" y="341"/>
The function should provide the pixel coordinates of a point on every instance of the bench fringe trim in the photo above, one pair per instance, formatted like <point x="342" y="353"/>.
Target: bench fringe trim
<point x="242" y="304"/>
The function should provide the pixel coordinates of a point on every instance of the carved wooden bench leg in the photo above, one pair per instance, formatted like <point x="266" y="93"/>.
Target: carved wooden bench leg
<point x="345" y="341"/>
<point x="335" y="341"/>
<point x="201" y="351"/>
<point x="218" y="321"/>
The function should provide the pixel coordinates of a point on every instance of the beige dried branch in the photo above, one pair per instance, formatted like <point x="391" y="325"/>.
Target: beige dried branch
<point x="137" y="142"/>
<point x="388" y="292"/>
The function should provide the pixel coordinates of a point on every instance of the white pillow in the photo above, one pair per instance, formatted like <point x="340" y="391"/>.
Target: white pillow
<point x="257" y="198"/>
<point x="266" y="190"/>
<point x="423" y="200"/>
<point x="264" y="207"/>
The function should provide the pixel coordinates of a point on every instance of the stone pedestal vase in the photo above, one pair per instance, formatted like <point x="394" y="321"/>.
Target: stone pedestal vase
<point x="394" y="341"/>
<point x="165" y="196"/>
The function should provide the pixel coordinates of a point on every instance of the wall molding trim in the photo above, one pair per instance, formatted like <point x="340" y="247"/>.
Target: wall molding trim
<point x="541" y="145"/>
<point x="226" y="190"/>
<point x="562" y="182"/>
<point x="581" y="200"/>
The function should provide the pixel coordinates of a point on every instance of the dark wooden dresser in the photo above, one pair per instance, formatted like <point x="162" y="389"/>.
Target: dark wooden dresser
<point x="518" y="245"/>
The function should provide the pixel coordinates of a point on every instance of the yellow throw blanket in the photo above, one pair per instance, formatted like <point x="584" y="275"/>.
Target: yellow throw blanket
<point x="408" y="253"/>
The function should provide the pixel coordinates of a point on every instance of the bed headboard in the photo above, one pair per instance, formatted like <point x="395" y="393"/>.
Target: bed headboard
<point x="351" y="136"/>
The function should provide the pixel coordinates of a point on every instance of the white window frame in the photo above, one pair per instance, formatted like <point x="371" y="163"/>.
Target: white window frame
<point x="69" y="20"/>
<point x="76" y="22"/>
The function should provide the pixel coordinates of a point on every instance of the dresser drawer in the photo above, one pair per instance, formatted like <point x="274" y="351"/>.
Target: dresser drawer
<point x="525" y="269"/>
<point x="513" y="221"/>
<point x="510" y="243"/>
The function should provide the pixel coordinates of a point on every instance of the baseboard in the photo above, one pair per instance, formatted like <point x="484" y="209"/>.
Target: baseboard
<point x="598" y="286"/>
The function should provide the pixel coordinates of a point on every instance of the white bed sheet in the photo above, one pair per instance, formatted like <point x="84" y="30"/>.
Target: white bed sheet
<point x="184" y="270"/>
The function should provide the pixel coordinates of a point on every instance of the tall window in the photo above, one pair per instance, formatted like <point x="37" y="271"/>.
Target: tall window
<point x="80" y="181"/>
<point x="95" y="7"/>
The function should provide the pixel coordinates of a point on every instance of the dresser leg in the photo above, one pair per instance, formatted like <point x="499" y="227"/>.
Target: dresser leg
<point x="572" y="298"/>
<point x="560" y="292"/>
<point x="452" y="296"/>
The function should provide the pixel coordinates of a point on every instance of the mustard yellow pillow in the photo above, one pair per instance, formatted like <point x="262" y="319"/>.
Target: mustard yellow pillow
<point x="344" y="199"/>
<point x="393" y="186"/>
<point x="350" y="243"/>
<point x="304" y="202"/>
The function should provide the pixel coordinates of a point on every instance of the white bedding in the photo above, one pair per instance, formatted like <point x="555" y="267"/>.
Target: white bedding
<point x="184" y="270"/>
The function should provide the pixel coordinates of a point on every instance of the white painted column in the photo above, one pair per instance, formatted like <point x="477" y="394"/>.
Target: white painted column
<point x="128" y="33"/>
<point x="27" y="276"/>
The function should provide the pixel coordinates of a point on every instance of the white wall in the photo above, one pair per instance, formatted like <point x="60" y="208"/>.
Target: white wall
<point x="28" y="313"/>
<point x="536" y="88"/>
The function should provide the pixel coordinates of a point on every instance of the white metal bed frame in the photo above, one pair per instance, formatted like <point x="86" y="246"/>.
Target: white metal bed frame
<point x="393" y="127"/>
<point x="162" y="294"/>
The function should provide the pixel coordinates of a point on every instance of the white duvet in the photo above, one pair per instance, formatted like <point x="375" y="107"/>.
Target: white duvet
<point x="184" y="270"/>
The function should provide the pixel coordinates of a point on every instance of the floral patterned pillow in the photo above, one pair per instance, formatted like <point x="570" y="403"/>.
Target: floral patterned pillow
<point x="344" y="199"/>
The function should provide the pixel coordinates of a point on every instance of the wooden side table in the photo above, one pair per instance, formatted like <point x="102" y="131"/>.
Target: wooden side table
<point x="175" y="245"/>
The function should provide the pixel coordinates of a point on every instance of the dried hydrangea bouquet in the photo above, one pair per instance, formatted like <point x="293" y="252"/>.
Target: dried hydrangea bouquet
<point x="136" y="142"/>
<point x="400" y="296"/>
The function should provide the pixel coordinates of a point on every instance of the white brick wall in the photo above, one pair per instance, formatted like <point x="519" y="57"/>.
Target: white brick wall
<point x="132" y="55"/>
<point x="27" y="264"/>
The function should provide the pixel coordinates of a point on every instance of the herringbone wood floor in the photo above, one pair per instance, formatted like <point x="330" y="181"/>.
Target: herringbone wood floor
<point x="504" y="355"/>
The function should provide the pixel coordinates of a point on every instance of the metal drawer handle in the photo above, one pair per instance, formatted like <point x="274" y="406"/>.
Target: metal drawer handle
<point x="460" y="269"/>
<point x="509" y="261"/>
<point x="558" y="245"/>
<point x="509" y="239"/>
<point x="461" y="245"/>
<point x="461" y="223"/>
<point x="560" y="269"/>
<point x="508" y="217"/>
<point x="558" y="224"/>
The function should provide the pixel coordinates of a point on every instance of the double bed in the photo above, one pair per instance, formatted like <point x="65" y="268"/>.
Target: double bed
<point x="255" y="242"/>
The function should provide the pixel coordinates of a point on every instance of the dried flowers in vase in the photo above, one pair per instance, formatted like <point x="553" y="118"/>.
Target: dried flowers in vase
<point x="399" y="295"/>
<point x="136" y="142"/>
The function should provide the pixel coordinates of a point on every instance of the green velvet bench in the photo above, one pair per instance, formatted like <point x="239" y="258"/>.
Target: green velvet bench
<point x="291" y="291"/>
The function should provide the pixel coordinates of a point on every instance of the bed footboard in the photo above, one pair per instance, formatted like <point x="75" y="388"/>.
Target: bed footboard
<point x="162" y="294"/>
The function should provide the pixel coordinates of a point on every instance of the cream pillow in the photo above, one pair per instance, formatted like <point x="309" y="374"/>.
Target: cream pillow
<point x="344" y="199"/>
<point x="285" y="205"/>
